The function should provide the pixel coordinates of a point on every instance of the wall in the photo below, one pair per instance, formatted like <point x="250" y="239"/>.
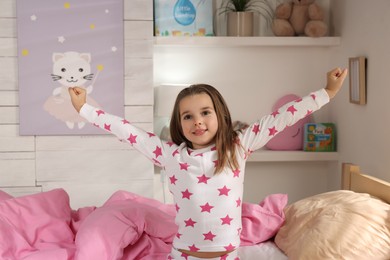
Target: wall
<point x="90" y="168"/>
<point x="364" y="130"/>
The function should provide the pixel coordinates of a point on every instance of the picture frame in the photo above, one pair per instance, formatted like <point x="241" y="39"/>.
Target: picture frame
<point x="357" y="80"/>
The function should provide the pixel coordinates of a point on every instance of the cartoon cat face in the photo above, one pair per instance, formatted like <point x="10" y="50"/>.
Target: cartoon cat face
<point x="71" y="68"/>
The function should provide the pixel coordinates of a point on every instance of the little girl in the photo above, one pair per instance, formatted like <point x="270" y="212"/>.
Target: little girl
<point x="205" y="162"/>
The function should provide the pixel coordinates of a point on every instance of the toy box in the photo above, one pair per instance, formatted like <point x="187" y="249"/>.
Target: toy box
<point x="319" y="137"/>
<point x="183" y="17"/>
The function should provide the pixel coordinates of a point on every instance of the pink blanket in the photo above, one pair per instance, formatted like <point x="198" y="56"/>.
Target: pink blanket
<point x="43" y="226"/>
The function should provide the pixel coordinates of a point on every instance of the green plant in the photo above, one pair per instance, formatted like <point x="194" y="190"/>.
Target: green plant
<point x="262" y="7"/>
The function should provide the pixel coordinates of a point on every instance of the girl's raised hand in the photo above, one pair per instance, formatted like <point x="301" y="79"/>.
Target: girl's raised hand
<point x="78" y="96"/>
<point x="335" y="79"/>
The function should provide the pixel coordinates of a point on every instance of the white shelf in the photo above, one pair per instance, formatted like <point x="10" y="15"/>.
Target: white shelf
<point x="292" y="156"/>
<point x="246" y="41"/>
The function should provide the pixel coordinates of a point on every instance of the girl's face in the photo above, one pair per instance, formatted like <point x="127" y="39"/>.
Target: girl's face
<point x="198" y="120"/>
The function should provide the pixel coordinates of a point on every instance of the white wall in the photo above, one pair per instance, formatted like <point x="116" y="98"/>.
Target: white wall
<point x="78" y="164"/>
<point x="364" y="130"/>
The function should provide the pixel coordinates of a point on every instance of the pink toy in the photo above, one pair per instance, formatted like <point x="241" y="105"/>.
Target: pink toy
<point x="290" y="138"/>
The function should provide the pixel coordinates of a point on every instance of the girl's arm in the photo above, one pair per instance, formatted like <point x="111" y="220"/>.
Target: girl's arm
<point x="147" y="143"/>
<point x="263" y="130"/>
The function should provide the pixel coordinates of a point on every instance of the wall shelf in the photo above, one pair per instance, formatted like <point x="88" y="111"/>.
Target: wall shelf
<point x="292" y="156"/>
<point x="247" y="41"/>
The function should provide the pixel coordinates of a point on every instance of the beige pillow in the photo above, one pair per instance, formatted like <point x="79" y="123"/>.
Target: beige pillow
<point x="336" y="225"/>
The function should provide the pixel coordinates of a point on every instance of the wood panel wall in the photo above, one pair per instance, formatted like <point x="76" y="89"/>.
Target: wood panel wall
<point x="89" y="168"/>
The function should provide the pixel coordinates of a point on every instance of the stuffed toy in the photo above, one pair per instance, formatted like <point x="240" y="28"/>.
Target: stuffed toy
<point x="291" y="138"/>
<point x="299" y="18"/>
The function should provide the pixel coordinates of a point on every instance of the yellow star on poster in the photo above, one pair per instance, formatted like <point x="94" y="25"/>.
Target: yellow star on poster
<point x="66" y="5"/>
<point x="100" y="67"/>
<point x="24" y="52"/>
<point x="92" y="26"/>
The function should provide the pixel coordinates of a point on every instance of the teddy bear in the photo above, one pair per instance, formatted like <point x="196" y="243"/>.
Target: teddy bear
<point x="299" y="18"/>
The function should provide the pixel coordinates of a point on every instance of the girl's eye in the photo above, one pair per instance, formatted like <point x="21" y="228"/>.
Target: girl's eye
<point x="186" y="117"/>
<point x="205" y="113"/>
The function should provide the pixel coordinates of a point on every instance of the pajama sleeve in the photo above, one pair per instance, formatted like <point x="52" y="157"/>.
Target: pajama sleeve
<point x="261" y="131"/>
<point x="147" y="143"/>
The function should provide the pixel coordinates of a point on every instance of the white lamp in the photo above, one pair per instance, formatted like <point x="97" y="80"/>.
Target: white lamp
<point x="164" y="100"/>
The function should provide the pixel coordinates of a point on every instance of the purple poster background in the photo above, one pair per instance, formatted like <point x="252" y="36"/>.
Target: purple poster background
<point x="63" y="44"/>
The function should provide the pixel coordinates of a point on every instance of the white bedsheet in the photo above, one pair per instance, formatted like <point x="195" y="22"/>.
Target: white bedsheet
<point x="263" y="251"/>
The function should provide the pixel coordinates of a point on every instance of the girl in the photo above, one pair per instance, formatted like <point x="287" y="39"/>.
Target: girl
<point x="205" y="163"/>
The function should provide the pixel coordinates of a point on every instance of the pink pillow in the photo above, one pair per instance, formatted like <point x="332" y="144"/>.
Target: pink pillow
<point x="291" y="138"/>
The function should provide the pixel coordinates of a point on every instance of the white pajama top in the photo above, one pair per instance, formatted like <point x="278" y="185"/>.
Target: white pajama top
<point x="208" y="205"/>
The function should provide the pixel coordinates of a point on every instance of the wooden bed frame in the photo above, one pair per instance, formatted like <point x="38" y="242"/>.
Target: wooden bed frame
<point x="353" y="179"/>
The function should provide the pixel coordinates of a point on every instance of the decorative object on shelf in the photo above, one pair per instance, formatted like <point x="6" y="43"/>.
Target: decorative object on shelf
<point x="319" y="137"/>
<point x="357" y="80"/>
<point x="183" y="18"/>
<point x="299" y="18"/>
<point x="164" y="100"/>
<point x="240" y="15"/>
<point x="290" y="138"/>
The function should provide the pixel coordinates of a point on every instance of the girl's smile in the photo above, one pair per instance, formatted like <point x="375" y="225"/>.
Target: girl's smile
<point x="198" y="120"/>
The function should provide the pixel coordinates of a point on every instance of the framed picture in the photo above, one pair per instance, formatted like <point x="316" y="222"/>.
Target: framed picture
<point x="357" y="80"/>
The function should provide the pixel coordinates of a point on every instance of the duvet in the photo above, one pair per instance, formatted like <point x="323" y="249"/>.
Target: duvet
<point x="127" y="226"/>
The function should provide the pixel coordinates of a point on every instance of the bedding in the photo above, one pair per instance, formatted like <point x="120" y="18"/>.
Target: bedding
<point x="336" y="225"/>
<point x="127" y="226"/>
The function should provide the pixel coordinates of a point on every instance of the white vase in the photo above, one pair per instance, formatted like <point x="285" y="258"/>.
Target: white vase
<point x="240" y="24"/>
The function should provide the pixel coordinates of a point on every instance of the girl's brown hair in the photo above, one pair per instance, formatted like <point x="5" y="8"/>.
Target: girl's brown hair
<point x="225" y="139"/>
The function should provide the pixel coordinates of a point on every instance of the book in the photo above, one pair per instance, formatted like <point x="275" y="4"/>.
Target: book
<point x="183" y="18"/>
<point x="319" y="137"/>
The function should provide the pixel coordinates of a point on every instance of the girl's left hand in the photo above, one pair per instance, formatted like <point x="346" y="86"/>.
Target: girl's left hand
<point x="335" y="79"/>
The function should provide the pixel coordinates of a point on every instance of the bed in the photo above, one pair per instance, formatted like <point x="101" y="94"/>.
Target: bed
<point x="344" y="224"/>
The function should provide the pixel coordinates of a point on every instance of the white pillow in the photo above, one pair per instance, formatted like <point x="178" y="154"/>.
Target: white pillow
<point x="336" y="225"/>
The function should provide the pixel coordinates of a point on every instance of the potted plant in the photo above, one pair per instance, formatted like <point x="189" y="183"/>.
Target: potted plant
<point x="240" y="15"/>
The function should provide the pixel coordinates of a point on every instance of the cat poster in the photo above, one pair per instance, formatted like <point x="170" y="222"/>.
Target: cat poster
<point x="63" y="44"/>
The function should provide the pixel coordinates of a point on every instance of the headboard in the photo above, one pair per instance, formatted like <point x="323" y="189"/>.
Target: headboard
<point x="353" y="179"/>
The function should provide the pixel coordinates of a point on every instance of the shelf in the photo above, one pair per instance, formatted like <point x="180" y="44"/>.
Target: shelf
<point x="292" y="156"/>
<point x="247" y="41"/>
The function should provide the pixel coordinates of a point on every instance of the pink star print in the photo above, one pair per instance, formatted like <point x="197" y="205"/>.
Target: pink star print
<point x="291" y="109"/>
<point x="132" y="139"/>
<point x="298" y="100"/>
<point x="177" y="207"/>
<point x="157" y="152"/>
<point x="313" y="96"/>
<point x="107" y="127"/>
<point x="184" y="166"/>
<point x="203" y="179"/>
<point x="309" y="112"/>
<point x="214" y="148"/>
<point x="256" y="129"/>
<point x="100" y="112"/>
<point x="193" y="248"/>
<point x="190" y="223"/>
<point x="184" y="255"/>
<point x="215" y="163"/>
<point x="226" y="220"/>
<point x="186" y="194"/>
<point x="175" y="152"/>
<point x="178" y="235"/>
<point x="173" y="179"/>
<point x="125" y="122"/>
<point x="236" y="173"/>
<point x="209" y="236"/>
<point x="272" y="131"/>
<point x="224" y="191"/>
<point x="238" y="202"/>
<point x="206" y="207"/>
<point x="170" y="143"/>
<point x="151" y="134"/>
<point x="275" y="113"/>
<point x="230" y="247"/>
